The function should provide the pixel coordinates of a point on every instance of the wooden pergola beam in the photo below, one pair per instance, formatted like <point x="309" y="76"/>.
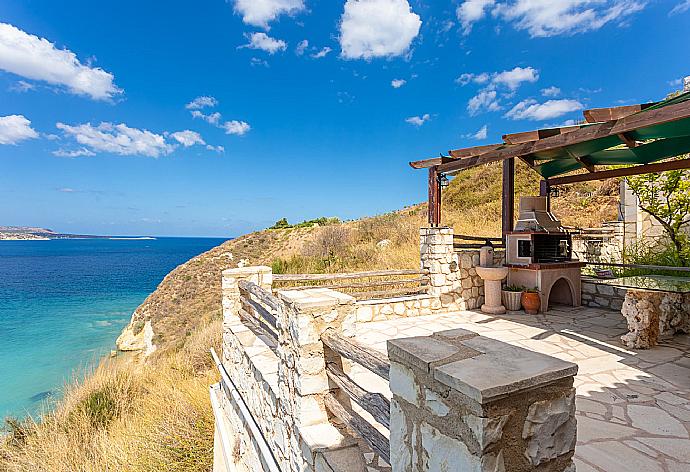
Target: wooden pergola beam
<point x="622" y="172"/>
<point x="455" y="154"/>
<point x="528" y="136"/>
<point x="598" y="115"/>
<point x="670" y="113"/>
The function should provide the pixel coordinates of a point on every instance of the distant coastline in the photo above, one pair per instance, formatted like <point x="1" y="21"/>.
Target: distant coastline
<point x="31" y="233"/>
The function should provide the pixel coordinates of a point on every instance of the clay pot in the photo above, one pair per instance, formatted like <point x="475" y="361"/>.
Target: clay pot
<point x="531" y="302"/>
<point x="512" y="300"/>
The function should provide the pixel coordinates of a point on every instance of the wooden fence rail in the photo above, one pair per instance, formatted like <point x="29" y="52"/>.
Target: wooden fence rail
<point x="356" y="352"/>
<point x="259" y="306"/>
<point x="375" y="284"/>
<point x="497" y="243"/>
<point x="375" y="404"/>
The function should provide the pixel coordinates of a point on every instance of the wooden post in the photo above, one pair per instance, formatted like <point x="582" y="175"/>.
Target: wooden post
<point x="434" y="198"/>
<point x="545" y="191"/>
<point x="508" y="196"/>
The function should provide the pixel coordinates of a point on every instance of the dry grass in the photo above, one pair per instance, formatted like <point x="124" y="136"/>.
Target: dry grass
<point x="127" y="416"/>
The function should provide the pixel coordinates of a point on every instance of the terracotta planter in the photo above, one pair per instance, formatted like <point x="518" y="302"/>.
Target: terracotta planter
<point x="531" y="302"/>
<point x="512" y="300"/>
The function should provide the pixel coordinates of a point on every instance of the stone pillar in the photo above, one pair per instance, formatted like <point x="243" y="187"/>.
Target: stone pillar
<point x="470" y="403"/>
<point x="439" y="258"/>
<point x="642" y="311"/>
<point x="260" y="275"/>
<point x="302" y="377"/>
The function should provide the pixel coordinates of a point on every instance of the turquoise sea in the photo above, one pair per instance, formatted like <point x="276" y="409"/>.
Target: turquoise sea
<point x="64" y="302"/>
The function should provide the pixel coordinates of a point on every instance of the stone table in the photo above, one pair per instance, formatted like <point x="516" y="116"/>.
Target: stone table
<point x="654" y="305"/>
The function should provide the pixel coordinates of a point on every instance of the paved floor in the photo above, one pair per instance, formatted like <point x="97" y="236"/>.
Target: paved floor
<point x="633" y="407"/>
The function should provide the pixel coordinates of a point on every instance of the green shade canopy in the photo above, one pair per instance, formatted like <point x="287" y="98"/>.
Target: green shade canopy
<point x="651" y="144"/>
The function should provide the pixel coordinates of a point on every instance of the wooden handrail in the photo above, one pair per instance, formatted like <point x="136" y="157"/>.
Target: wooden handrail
<point x="362" y="355"/>
<point x="350" y="275"/>
<point x="476" y="238"/>
<point x="476" y="246"/>
<point x="375" y="404"/>
<point x="262" y="295"/>
<point x="370" y="435"/>
<point x="374" y="283"/>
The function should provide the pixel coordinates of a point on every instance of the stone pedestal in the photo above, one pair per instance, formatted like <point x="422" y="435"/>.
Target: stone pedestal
<point x="642" y="309"/>
<point x="469" y="403"/>
<point x="492" y="277"/>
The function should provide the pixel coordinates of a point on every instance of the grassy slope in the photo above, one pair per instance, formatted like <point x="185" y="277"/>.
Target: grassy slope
<point x="155" y="415"/>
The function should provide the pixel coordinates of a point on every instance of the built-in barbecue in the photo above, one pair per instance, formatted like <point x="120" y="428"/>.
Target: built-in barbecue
<point x="539" y="255"/>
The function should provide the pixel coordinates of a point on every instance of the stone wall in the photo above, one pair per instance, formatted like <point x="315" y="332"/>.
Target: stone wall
<point x="448" y="414"/>
<point x="453" y="274"/>
<point x="597" y="295"/>
<point x="281" y="382"/>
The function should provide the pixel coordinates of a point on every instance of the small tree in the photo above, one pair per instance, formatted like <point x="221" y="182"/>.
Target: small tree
<point x="281" y="224"/>
<point x="666" y="197"/>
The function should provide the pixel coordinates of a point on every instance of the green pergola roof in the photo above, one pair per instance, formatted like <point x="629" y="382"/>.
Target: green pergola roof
<point x="655" y="143"/>
<point x="618" y="136"/>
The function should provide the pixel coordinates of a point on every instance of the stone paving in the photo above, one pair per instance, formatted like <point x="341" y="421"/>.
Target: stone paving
<point x="633" y="407"/>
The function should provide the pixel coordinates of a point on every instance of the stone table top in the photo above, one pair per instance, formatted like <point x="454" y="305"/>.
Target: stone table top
<point x="657" y="283"/>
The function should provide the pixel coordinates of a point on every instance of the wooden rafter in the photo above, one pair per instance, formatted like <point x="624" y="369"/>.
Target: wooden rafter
<point x="581" y="159"/>
<point x="670" y="113"/>
<point x="598" y="115"/>
<point x="527" y="136"/>
<point x="630" y="142"/>
<point x="622" y="172"/>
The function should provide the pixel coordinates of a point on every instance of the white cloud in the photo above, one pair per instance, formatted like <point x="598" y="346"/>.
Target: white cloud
<point x="15" y="128"/>
<point x="377" y="28"/>
<point x="239" y="128"/>
<point x="466" y="78"/>
<point x="301" y="47"/>
<point x="418" y="120"/>
<point x="74" y="153"/>
<point x="212" y="118"/>
<point x="551" y="92"/>
<point x="261" y="12"/>
<point x="484" y="100"/>
<point x="514" y="78"/>
<point x="322" y="53"/>
<point x="118" y="139"/>
<point x="37" y="58"/>
<point x="22" y="86"/>
<point x="66" y="189"/>
<point x="187" y="138"/>
<point x="682" y="7"/>
<point x="542" y="18"/>
<point x="482" y="133"/>
<point x="201" y="102"/>
<point x="397" y="83"/>
<point x="532" y="110"/>
<point x="264" y="42"/>
<point x="218" y="149"/>
<point x="471" y="11"/>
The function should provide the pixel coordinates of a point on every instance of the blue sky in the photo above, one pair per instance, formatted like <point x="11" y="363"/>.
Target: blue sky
<point x="215" y="118"/>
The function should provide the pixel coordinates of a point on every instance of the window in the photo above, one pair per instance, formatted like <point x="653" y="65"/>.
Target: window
<point x="524" y="248"/>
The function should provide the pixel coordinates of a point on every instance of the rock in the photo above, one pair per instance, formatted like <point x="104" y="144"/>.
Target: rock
<point x="551" y="428"/>
<point x="383" y="244"/>
<point x="642" y="310"/>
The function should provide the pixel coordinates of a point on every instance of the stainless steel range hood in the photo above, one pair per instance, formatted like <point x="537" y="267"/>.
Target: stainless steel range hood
<point x="534" y="216"/>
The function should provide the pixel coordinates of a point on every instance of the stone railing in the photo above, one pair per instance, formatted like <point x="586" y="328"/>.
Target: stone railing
<point x="445" y="409"/>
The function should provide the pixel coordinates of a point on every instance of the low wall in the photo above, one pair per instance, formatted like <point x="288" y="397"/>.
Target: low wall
<point x="598" y="295"/>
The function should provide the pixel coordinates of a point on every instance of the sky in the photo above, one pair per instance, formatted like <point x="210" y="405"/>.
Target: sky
<point x="215" y="118"/>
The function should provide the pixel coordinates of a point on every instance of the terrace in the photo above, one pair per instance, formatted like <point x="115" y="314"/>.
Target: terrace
<point x="399" y="369"/>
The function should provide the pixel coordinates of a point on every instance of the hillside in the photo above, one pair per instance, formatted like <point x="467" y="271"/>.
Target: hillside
<point x="152" y="413"/>
<point x="471" y="204"/>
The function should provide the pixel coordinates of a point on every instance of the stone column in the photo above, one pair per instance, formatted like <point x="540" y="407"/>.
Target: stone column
<point x="642" y="311"/>
<point x="260" y="275"/>
<point x="302" y="377"/>
<point x="439" y="258"/>
<point x="470" y="403"/>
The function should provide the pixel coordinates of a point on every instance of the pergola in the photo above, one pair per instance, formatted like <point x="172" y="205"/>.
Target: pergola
<point x="638" y="138"/>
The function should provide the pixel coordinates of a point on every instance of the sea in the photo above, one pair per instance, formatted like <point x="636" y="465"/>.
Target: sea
<point x="64" y="302"/>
